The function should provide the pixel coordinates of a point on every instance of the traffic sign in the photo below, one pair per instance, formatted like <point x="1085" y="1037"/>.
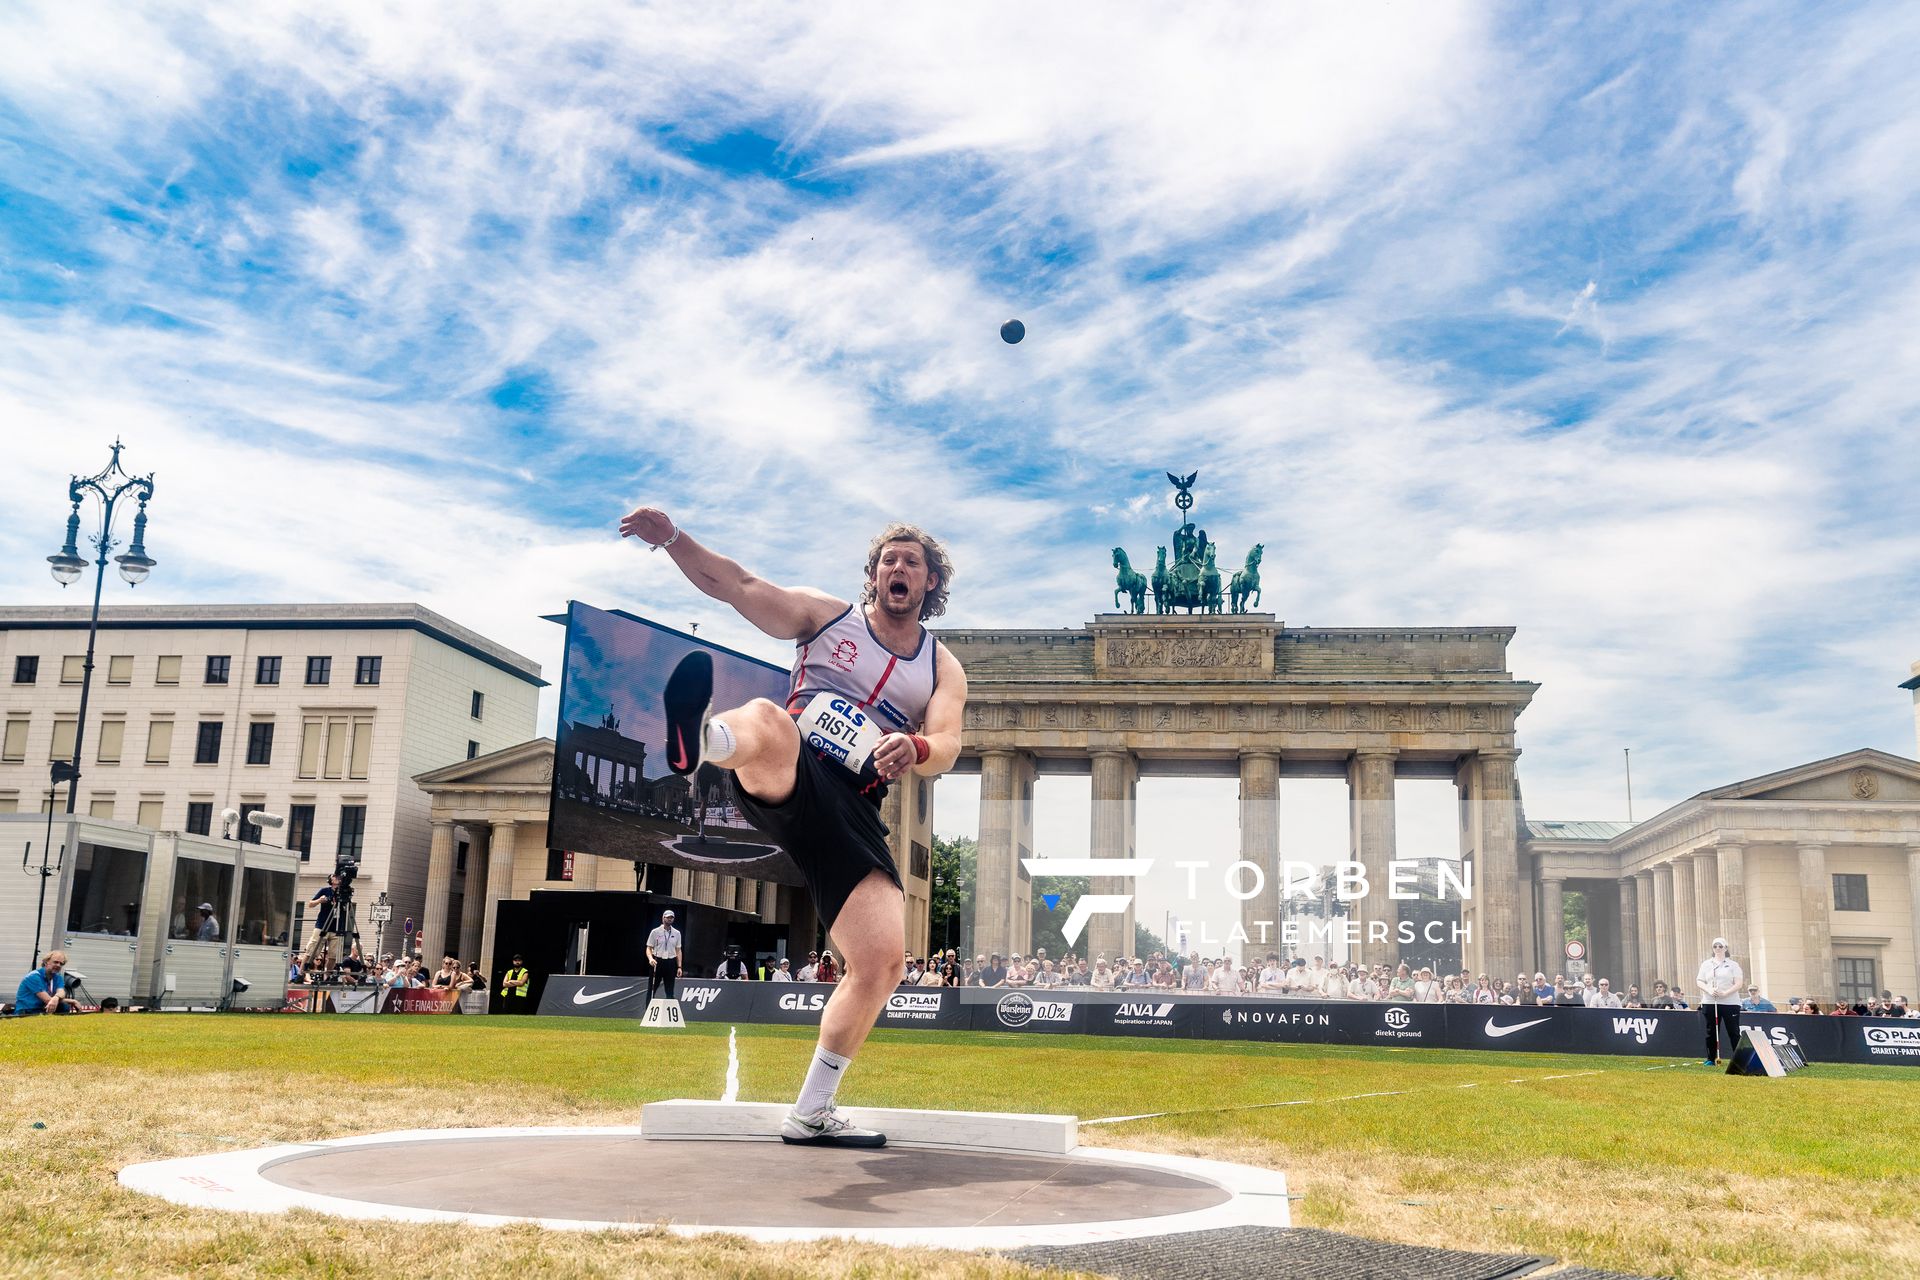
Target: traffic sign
<point x="1576" y="950"/>
<point x="380" y="912"/>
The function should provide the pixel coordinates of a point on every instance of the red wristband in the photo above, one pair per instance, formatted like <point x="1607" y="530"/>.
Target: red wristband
<point x="920" y="749"/>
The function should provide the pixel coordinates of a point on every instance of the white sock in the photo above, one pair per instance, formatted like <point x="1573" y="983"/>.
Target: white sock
<point x="720" y="744"/>
<point x="823" y="1080"/>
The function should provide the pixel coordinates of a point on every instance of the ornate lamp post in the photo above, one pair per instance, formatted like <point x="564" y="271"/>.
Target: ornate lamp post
<point x="109" y="486"/>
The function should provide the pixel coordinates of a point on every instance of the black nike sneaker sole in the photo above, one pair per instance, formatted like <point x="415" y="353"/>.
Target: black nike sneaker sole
<point x="832" y="1140"/>
<point x="688" y="698"/>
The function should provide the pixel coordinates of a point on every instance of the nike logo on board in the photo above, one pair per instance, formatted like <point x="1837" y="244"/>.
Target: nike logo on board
<point x="581" y="997"/>
<point x="1497" y="1031"/>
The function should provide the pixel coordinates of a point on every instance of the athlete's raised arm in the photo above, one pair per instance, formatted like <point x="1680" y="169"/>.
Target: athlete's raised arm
<point x="785" y="613"/>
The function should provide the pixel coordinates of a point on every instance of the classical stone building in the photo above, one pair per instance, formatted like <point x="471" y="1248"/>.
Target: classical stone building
<point x="1240" y="695"/>
<point x="1811" y="874"/>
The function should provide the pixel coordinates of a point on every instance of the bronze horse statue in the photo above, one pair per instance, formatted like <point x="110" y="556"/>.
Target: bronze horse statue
<point x="1246" y="583"/>
<point x="1160" y="582"/>
<point x="1131" y="584"/>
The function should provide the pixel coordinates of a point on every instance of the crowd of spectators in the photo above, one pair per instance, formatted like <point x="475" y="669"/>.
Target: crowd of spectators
<point x="390" y="972"/>
<point x="1301" y="979"/>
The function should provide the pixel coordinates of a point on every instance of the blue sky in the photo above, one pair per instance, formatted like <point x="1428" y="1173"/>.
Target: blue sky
<point x="1594" y="322"/>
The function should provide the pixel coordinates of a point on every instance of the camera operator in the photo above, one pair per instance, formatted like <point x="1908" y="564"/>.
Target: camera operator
<point x="323" y="905"/>
<point x="732" y="966"/>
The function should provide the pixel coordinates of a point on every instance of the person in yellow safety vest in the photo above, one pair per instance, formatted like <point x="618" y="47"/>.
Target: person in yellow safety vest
<point x="514" y="984"/>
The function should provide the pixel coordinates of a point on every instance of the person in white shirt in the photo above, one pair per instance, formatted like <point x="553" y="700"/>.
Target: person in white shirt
<point x="663" y="956"/>
<point x="1223" y="982"/>
<point x="1299" y="981"/>
<point x="1334" y="985"/>
<point x="1719" y="982"/>
<point x="782" y="972"/>
<point x="1365" y="987"/>
<point x="1102" y="975"/>
<point x="1317" y="977"/>
<point x="1425" y="989"/>
<point x="1272" y="981"/>
<point x="810" y="971"/>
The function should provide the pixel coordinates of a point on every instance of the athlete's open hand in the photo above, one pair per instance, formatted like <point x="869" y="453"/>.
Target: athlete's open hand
<point x="649" y="524"/>
<point x="894" y="756"/>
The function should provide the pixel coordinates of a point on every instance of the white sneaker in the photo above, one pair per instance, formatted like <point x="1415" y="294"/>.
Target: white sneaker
<point x="827" y="1129"/>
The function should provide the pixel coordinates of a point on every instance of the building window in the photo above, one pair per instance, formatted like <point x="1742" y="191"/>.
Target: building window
<point x="353" y="830"/>
<point x="167" y="670"/>
<point x="267" y="671"/>
<point x="206" y="748"/>
<point x="26" y="669"/>
<point x="366" y="671"/>
<point x="100" y="807"/>
<point x="1855" y="979"/>
<point x="479" y="704"/>
<point x="120" y="669"/>
<point x="319" y="670"/>
<point x="113" y="737"/>
<point x="218" y="668"/>
<point x="249" y="832"/>
<point x="63" y="731"/>
<point x="149" y="814"/>
<point x="460" y="858"/>
<point x="200" y="817"/>
<point x="300" y="830"/>
<point x="559" y="864"/>
<point x="73" y="668"/>
<point x="473" y="748"/>
<point x="260" y="742"/>
<point x="1850" y="893"/>
<point x="159" y="741"/>
<point x="13" y="750"/>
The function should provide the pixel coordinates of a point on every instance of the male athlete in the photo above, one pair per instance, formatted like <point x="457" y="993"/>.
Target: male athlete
<point x="873" y="697"/>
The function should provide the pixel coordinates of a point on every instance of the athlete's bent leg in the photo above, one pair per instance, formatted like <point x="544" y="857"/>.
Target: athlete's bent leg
<point x="766" y="748"/>
<point x="869" y="933"/>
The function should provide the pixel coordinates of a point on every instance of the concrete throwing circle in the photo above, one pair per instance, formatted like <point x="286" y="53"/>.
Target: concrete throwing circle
<point x="610" y="1177"/>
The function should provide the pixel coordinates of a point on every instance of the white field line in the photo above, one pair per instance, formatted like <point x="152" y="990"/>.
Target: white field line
<point x="732" y="1092"/>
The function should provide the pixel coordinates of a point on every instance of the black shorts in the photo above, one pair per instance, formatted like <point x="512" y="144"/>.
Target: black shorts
<point x="831" y="831"/>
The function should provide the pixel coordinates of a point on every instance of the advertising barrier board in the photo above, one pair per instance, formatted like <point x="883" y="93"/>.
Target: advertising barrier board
<point x="1652" y="1033"/>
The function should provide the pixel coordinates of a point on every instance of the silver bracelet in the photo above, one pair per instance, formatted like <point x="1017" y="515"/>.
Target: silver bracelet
<point x="669" y="542"/>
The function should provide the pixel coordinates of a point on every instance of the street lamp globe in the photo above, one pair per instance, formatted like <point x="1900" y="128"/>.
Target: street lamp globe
<point x="132" y="567"/>
<point x="67" y="568"/>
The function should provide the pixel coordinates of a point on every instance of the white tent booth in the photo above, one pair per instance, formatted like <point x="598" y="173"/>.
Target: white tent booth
<point x="124" y="902"/>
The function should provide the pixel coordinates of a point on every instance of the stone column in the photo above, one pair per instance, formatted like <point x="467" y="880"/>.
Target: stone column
<point x="767" y="901"/>
<point x="1706" y="905"/>
<point x="1816" y="892"/>
<point x="1649" y="918"/>
<point x="1110" y="935"/>
<point x="1497" y="868"/>
<point x="499" y="888"/>
<point x="1686" y="926"/>
<point x="746" y="894"/>
<point x="1260" y="845"/>
<point x="1732" y="859"/>
<point x="1913" y="882"/>
<point x="1666" y="946"/>
<point x="1021" y="925"/>
<point x="1371" y="830"/>
<point x="1553" y="926"/>
<point x="1627" y="963"/>
<point x="433" y="916"/>
<point x="724" y="890"/>
<point x="473" y="897"/>
<point x="703" y="886"/>
<point x="994" y="889"/>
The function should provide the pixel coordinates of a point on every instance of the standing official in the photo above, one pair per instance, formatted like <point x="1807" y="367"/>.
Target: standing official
<point x="663" y="957"/>
<point x="1720" y="981"/>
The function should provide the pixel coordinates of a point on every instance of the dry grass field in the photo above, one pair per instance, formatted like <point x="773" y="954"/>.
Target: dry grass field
<point x="1642" y="1166"/>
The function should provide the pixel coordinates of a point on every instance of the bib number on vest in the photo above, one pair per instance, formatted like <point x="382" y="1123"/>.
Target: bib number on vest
<point x="839" y="730"/>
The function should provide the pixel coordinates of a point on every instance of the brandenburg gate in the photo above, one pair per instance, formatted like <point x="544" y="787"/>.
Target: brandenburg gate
<point x="1239" y="694"/>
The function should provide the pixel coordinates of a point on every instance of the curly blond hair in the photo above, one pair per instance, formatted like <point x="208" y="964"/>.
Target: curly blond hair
<point x="938" y="564"/>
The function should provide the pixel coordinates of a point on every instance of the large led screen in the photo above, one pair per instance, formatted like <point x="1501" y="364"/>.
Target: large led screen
<point x="613" y="794"/>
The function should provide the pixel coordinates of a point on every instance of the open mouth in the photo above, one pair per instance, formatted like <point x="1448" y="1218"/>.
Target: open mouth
<point x="898" y="590"/>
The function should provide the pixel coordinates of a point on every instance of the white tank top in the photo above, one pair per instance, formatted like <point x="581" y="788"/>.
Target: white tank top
<point x="848" y="659"/>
